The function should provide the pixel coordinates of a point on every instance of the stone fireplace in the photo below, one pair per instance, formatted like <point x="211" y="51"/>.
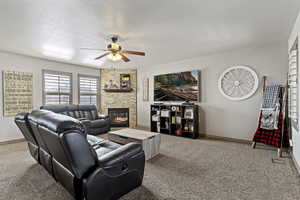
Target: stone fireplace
<point x="119" y="117"/>
<point x="119" y="99"/>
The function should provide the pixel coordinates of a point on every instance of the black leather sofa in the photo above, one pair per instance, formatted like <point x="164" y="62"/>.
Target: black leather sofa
<point x="88" y="114"/>
<point x="89" y="169"/>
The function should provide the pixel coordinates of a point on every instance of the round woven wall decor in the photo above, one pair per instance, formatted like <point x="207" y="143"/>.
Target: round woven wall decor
<point x="238" y="83"/>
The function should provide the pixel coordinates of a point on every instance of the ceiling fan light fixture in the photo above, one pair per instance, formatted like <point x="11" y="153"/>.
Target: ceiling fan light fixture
<point x="115" y="47"/>
<point x="114" y="56"/>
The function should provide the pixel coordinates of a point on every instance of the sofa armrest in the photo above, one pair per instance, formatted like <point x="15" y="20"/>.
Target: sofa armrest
<point x="120" y="155"/>
<point x="102" y="116"/>
<point x="86" y="123"/>
<point x="82" y="119"/>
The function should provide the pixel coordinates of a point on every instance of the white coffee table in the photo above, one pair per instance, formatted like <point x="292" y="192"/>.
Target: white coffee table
<point x="149" y="140"/>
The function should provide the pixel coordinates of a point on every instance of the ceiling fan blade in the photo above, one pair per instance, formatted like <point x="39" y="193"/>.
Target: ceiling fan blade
<point x="124" y="58"/>
<point x="133" y="52"/>
<point x="102" y="56"/>
<point x="93" y="49"/>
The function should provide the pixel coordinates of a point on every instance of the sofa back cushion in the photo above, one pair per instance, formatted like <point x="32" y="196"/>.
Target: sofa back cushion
<point x="76" y="111"/>
<point x="59" y="108"/>
<point x="79" y="152"/>
<point x="88" y="111"/>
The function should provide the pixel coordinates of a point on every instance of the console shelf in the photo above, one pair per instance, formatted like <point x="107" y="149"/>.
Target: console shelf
<point x="173" y="119"/>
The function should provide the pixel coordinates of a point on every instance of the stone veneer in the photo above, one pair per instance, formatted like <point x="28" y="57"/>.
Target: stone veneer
<point x="119" y="99"/>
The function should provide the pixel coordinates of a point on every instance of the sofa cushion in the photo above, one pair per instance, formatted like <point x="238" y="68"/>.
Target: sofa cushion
<point x="88" y="111"/>
<point x="71" y="114"/>
<point x="94" y="114"/>
<point x="98" y="123"/>
<point x="55" y="108"/>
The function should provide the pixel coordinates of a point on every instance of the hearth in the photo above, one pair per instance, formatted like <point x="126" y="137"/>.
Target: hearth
<point x="119" y="117"/>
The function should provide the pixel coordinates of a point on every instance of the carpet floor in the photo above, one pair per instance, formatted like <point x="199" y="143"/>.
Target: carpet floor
<point x="185" y="170"/>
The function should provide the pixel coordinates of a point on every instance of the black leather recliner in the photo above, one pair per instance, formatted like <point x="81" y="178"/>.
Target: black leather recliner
<point x="88" y="169"/>
<point x="88" y="114"/>
<point x="22" y="122"/>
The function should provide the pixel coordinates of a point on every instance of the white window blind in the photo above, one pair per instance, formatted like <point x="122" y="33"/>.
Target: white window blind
<point x="88" y="90"/>
<point x="293" y="86"/>
<point x="57" y="87"/>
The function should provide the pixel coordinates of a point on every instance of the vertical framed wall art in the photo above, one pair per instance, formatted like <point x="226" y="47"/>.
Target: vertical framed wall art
<point x="146" y="89"/>
<point x="17" y="92"/>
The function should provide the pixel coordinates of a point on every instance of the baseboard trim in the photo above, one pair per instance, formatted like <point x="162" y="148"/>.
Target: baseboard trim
<point x="211" y="137"/>
<point x="12" y="141"/>
<point x="226" y="139"/>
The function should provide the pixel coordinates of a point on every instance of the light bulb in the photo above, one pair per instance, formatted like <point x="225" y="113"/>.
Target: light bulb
<point x="114" y="56"/>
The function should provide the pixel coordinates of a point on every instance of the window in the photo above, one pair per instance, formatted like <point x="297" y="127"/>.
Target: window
<point x="57" y="87"/>
<point x="88" y="89"/>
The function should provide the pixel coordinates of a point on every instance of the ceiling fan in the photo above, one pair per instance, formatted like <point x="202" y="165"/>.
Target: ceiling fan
<point x="114" y="51"/>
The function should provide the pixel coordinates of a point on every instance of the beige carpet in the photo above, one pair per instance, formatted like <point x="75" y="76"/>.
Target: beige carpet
<point x="186" y="170"/>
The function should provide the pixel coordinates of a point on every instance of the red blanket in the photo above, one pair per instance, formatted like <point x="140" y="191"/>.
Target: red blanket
<point x="272" y="137"/>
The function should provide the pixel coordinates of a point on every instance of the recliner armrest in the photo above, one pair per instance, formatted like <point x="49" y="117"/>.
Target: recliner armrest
<point x="119" y="155"/>
<point x="114" y="171"/>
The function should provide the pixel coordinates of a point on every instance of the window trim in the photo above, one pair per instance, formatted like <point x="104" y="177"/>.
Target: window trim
<point x="98" y="87"/>
<point x="44" y="71"/>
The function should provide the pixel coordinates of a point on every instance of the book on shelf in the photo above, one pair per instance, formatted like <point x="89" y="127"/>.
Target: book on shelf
<point x="178" y="119"/>
<point x="155" y="118"/>
<point x="189" y="113"/>
<point x="173" y="121"/>
<point x="165" y="113"/>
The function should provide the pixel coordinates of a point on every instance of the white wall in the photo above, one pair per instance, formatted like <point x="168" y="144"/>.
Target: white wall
<point x="8" y="130"/>
<point x="296" y="136"/>
<point x="219" y="116"/>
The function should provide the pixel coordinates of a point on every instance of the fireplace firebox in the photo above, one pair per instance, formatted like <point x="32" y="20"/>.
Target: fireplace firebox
<point x="119" y="117"/>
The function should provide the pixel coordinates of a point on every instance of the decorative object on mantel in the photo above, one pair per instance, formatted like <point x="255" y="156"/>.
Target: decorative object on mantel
<point x="146" y="89"/>
<point x="238" y="83"/>
<point x="125" y="81"/>
<point x="111" y="85"/>
<point x="17" y="92"/>
<point x="123" y="86"/>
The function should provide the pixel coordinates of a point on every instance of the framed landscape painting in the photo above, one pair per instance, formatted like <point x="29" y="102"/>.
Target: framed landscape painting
<point x="182" y="86"/>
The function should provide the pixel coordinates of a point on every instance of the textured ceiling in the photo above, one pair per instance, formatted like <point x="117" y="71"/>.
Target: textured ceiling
<point x="166" y="30"/>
